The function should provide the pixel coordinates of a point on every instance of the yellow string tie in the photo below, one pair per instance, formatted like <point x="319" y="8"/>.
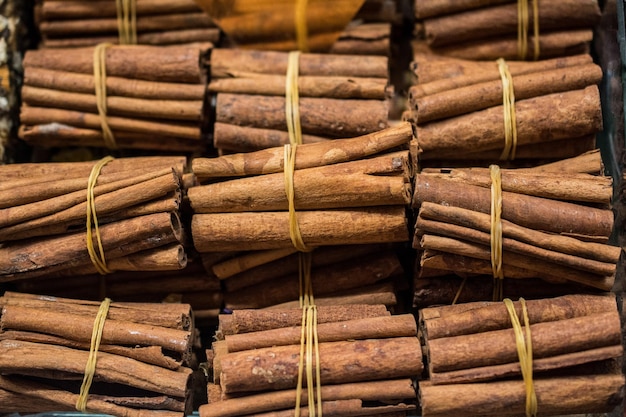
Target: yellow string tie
<point x="496" y="231"/>
<point x="292" y="99"/>
<point x="90" y="366"/>
<point x="96" y="256"/>
<point x="100" y="82"/>
<point x="302" y="32"/>
<point x="127" y="21"/>
<point x="522" y="29"/>
<point x="525" y="353"/>
<point x="508" y="105"/>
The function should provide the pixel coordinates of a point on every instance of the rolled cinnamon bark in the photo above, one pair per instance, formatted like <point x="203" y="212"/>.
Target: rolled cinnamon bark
<point x="308" y="86"/>
<point x="116" y="86"/>
<point x="110" y="368"/>
<point x="438" y="73"/>
<point x="307" y="155"/>
<point x="54" y="134"/>
<point x="57" y="253"/>
<point x="430" y="8"/>
<point x="225" y="61"/>
<point x="574" y="187"/>
<point x="479" y="24"/>
<point x="233" y="138"/>
<point x="171" y="37"/>
<point x="340" y="362"/>
<point x="72" y="9"/>
<point x="153" y="355"/>
<point x="351" y="184"/>
<point x="551" y="45"/>
<point x="177" y="64"/>
<point x="270" y="230"/>
<point x="100" y="24"/>
<point x="487" y="94"/>
<point x="556" y="396"/>
<point x="468" y="318"/>
<point x="586" y="163"/>
<point x="368" y="391"/>
<point x="548" y="269"/>
<point x="66" y="400"/>
<point x="184" y="110"/>
<point x="79" y="328"/>
<point x="371" y="328"/>
<point x="246" y="321"/>
<point x="536" y="122"/>
<point x="364" y="39"/>
<point x="288" y="265"/>
<point x="319" y="116"/>
<point x="325" y="280"/>
<point x="176" y="316"/>
<point x="583" y="221"/>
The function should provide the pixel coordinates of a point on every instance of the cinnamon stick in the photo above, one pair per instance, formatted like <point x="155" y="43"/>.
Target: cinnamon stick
<point x="556" y="396"/>
<point x="169" y="38"/>
<point x="307" y="155"/>
<point x="370" y="328"/>
<point x="335" y="358"/>
<point x="390" y="390"/>
<point x="245" y="321"/>
<point x="269" y="230"/>
<point x="70" y="9"/>
<point x="319" y="116"/>
<point x="233" y="138"/>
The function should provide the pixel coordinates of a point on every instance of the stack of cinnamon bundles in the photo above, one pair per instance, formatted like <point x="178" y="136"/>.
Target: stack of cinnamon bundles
<point x="142" y="366"/>
<point x="153" y="97"/>
<point x="477" y="29"/>
<point x="43" y="217"/>
<point x="347" y="193"/>
<point x="556" y="223"/>
<point x="456" y="107"/>
<point x="71" y="23"/>
<point x="474" y="367"/>
<point x="366" y="357"/>
<point x="341" y="96"/>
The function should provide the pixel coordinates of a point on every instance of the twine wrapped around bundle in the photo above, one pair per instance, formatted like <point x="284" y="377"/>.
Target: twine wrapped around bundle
<point x="141" y="363"/>
<point x="572" y="346"/>
<point x="133" y="204"/>
<point x="350" y="337"/>
<point x="157" y="103"/>
<point x="67" y="23"/>
<point x="524" y="29"/>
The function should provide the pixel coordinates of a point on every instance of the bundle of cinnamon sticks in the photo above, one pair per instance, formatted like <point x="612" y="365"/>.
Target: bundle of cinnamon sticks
<point x="255" y="362"/>
<point x="350" y="197"/>
<point x="142" y="363"/>
<point x="338" y="98"/>
<point x="457" y="108"/>
<point x="555" y="224"/>
<point x="477" y="29"/>
<point x="44" y="209"/>
<point x="474" y="368"/>
<point x="154" y="97"/>
<point x="71" y="23"/>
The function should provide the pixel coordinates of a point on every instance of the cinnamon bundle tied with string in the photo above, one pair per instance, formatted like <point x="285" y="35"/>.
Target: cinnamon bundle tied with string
<point x="156" y="103"/>
<point x="68" y="23"/>
<point x="525" y="29"/>
<point x="337" y="98"/>
<point x="346" y="335"/>
<point x="454" y="95"/>
<point x="553" y="228"/>
<point x="135" y="201"/>
<point x="142" y="360"/>
<point x="471" y="349"/>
